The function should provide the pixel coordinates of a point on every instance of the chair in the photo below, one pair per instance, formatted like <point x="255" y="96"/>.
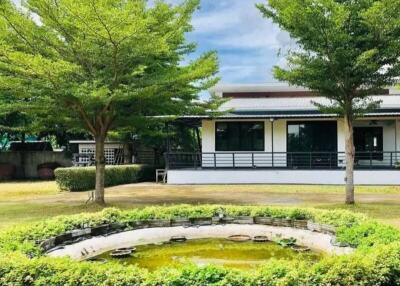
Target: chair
<point x="161" y="173"/>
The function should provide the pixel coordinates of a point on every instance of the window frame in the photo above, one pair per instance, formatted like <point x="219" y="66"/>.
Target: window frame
<point x="303" y="122"/>
<point x="364" y="154"/>
<point x="252" y="149"/>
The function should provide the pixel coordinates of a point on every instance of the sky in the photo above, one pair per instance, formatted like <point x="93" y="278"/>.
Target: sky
<point x="248" y="45"/>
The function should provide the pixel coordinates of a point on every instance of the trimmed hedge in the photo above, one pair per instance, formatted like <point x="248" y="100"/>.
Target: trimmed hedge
<point x="78" y="179"/>
<point x="375" y="262"/>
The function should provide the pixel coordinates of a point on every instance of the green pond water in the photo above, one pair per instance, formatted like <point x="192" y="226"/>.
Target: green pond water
<point x="241" y="255"/>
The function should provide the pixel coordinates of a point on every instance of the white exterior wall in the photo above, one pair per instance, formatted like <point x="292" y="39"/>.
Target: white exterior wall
<point x="317" y="177"/>
<point x="391" y="130"/>
<point x="341" y="143"/>
<point x="391" y="142"/>
<point x="208" y="135"/>
<point x="242" y="159"/>
<point x="397" y="137"/>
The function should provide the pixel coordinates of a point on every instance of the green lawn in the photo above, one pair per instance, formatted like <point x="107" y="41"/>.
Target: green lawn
<point x="31" y="201"/>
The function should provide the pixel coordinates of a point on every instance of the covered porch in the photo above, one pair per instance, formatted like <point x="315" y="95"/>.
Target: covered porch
<point x="288" y="150"/>
<point x="281" y="160"/>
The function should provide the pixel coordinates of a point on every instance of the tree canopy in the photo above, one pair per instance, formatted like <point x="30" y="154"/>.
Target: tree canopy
<point x="101" y="65"/>
<point x="347" y="50"/>
<point x="103" y="62"/>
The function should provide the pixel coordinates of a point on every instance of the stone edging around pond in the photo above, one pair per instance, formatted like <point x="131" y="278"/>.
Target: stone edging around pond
<point x="84" y="233"/>
<point x="97" y="245"/>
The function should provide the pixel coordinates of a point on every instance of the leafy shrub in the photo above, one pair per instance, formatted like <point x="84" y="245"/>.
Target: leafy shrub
<point x="77" y="179"/>
<point x="17" y="270"/>
<point x="375" y="262"/>
<point x="368" y="234"/>
<point x="23" y="237"/>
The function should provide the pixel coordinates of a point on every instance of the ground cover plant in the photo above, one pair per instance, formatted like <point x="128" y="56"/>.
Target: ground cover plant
<point x="376" y="260"/>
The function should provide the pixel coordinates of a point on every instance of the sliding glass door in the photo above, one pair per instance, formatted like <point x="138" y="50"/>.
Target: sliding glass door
<point x="312" y="144"/>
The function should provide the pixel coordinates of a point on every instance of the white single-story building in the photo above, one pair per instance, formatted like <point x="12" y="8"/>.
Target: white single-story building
<point x="275" y="134"/>
<point x="115" y="153"/>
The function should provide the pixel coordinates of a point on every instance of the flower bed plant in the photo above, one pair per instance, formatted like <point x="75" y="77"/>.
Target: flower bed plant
<point x="376" y="260"/>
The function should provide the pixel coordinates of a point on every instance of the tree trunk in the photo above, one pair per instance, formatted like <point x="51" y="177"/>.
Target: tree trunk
<point x="100" y="170"/>
<point x="350" y="154"/>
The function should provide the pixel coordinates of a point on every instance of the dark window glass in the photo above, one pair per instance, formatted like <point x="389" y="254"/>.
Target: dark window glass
<point x="368" y="139"/>
<point x="313" y="136"/>
<point x="239" y="136"/>
<point x="312" y="144"/>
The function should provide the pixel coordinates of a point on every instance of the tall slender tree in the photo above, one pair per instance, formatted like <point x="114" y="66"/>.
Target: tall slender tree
<point x="101" y="65"/>
<point x="347" y="51"/>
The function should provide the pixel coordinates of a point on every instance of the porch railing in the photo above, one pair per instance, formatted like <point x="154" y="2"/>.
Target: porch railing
<point x="284" y="160"/>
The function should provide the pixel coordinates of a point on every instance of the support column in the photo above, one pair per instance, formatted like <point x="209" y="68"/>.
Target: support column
<point x="198" y="138"/>
<point x="272" y="141"/>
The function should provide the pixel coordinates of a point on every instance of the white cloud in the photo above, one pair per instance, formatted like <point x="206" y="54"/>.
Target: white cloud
<point x="247" y="43"/>
<point x="237" y="23"/>
<point x="248" y="66"/>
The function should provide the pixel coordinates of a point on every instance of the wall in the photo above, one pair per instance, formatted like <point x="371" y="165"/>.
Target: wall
<point x="208" y="135"/>
<point x="241" y="159"/>
<point x="391" y="133"/>
<point x="397" y="137"/>
<point x="32" y="160"/>
<point x="391" y="129"/>
<point x="318" y="177"/>
<point x="224" y="159"/>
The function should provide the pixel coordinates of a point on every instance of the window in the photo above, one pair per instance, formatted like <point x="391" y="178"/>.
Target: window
<point x="239" y="136"/>
<point x="312" y="144"/>
<point x="368" y="139"/>
<point x="312" y="136"/>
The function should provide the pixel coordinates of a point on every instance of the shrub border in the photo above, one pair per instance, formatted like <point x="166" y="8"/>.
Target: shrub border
<point x="80" y="179"/>
<point x="376" y="260"/>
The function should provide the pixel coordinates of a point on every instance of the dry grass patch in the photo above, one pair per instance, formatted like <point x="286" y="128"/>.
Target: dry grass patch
<point x="34" y="200"/>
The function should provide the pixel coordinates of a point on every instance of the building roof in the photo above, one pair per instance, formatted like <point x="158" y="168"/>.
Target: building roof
<point x="269" y="87"/>
<point x="273" y="87"/>
<point x="296" y="103"/>
<point x="293" y="114"/>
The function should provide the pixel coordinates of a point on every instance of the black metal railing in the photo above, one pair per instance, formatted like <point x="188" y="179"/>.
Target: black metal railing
<point x="285" y="160"/>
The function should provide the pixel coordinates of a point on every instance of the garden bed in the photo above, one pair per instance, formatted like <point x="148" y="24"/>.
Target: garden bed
<point x="376" y="260"/>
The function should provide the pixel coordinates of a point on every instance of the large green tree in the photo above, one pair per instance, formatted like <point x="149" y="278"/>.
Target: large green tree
<point x="102" y="65"/>
<point x="346" y="51"/>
